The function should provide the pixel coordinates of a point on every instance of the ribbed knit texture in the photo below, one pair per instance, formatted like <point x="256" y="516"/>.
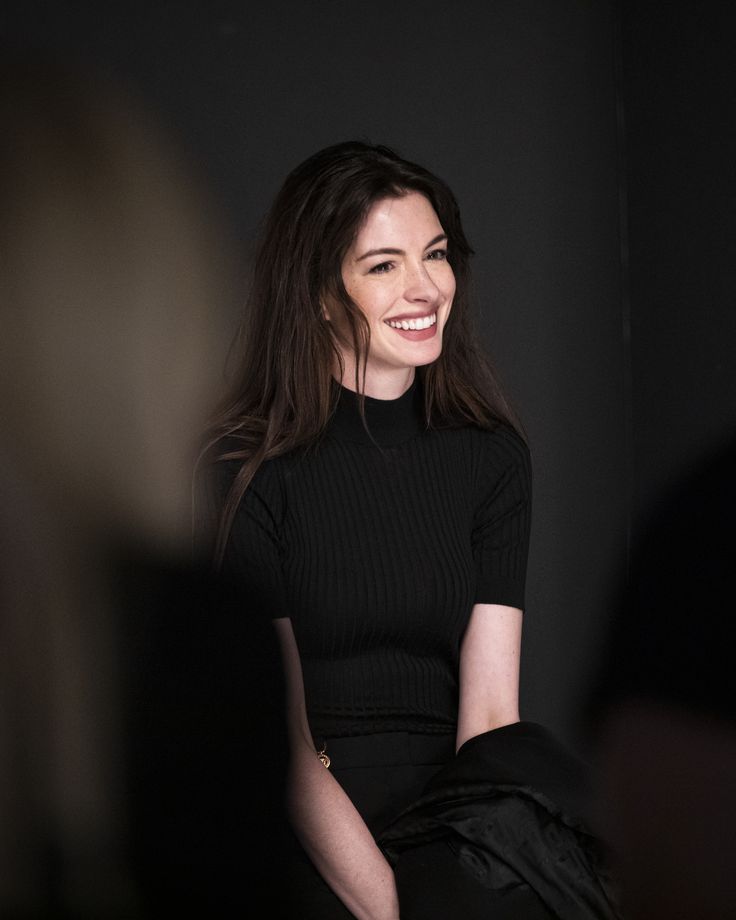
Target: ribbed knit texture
<point x="377" y="546"/>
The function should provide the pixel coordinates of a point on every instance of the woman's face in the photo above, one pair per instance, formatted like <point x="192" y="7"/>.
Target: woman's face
<point x="397" y="272"/>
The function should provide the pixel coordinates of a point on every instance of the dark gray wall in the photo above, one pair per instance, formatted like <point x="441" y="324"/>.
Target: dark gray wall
<point x="514" y="104"/>
<point x="680" y="95"/>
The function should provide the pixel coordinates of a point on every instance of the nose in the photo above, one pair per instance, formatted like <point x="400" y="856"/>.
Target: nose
<point x="420" y="286"/>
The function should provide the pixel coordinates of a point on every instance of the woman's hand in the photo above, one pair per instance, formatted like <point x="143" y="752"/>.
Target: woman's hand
<point x="328" y="825"/>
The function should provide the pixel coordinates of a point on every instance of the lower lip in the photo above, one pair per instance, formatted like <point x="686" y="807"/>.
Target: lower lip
<point x="416" y="335"/>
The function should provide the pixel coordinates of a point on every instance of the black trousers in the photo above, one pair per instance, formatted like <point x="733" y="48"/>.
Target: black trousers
<point x="383" y="774"/>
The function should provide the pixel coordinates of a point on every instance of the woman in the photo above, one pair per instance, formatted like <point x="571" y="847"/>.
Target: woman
<point x="374" y="493"/>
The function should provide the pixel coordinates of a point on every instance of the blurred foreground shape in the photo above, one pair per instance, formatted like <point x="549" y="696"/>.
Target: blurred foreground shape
<point x="136" y="697"/>
<point x="664" y="708"/>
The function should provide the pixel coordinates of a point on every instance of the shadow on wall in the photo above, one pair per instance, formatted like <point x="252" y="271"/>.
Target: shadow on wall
<point x="664" y="711"/>
<point x="137" y="702"/>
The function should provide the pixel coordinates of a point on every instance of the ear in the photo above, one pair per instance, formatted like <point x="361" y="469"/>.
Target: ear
<point x="325" y="311"/>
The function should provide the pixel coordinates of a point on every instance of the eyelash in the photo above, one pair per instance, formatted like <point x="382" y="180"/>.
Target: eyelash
<point x="436" y="255"/>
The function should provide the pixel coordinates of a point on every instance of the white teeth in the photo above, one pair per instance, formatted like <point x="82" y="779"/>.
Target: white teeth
<point x="423" y="322"/>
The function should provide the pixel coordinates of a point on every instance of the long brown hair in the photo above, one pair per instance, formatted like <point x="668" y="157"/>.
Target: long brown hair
<point x="284" y="391"/>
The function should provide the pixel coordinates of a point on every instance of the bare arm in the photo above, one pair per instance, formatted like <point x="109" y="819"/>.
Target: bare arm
<point x="489" y="670"/>
<point x="326" y="822"/>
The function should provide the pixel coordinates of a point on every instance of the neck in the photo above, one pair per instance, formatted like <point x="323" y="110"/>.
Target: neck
<point x="377" y="422"/>
<point x="378" y="384"/>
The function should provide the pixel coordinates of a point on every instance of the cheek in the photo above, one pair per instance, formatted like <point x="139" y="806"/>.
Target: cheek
<point x="371" y="302"/>
<point x="339" y="322"/>
<point x="449" y="289"/>
<point x="354" y="291"/>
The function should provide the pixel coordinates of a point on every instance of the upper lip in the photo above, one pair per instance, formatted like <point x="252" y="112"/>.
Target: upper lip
<point x="401" y="316"/>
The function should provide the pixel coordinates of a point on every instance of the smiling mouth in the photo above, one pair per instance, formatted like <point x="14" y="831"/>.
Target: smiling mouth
<point x="418" y="322"/>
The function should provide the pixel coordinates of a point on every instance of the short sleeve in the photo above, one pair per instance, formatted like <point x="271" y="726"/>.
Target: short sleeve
<point x="502" y="519"/>
<point x="253" y="551"/>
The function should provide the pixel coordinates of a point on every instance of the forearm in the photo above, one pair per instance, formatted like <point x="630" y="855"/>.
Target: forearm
<point x="470" y="727"/>
<point x="489" y="671"/>
<point x="338" y="841"/>
<point x="326" y="822"/>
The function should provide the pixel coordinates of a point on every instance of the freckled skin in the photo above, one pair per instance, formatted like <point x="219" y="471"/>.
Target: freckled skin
<point x="414" y="280"/>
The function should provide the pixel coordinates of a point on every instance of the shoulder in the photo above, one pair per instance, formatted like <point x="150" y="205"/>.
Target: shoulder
<point x="503" y="441"/>
<point x="499" y="447"/>
<point x="228" y="458"/>
<point x="225" y="478"/>
<point x="502" y="464"/>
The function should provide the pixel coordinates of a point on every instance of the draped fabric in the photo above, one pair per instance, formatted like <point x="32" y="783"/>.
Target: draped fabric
<point x="511" y="809"/>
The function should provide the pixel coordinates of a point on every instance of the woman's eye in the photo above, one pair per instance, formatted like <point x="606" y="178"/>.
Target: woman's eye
<point x="437" y="255"/>
<point x="382" y="268"/>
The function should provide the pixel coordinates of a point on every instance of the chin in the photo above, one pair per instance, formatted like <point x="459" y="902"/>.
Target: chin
<point x="424" y="356"/>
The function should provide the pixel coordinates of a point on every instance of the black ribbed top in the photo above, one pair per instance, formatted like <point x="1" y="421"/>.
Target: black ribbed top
<point x="377" y="544"/>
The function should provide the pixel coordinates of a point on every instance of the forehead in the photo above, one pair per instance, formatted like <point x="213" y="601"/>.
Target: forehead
<point x="409" y="217"/>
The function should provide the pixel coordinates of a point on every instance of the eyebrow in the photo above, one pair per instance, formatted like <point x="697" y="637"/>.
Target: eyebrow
<point x="399" y="252"/>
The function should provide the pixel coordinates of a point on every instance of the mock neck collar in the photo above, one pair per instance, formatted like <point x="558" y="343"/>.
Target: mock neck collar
<point x="389" y="421"/>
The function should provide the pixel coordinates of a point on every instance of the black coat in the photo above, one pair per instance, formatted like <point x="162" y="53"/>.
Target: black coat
<point x="511" y="808"/>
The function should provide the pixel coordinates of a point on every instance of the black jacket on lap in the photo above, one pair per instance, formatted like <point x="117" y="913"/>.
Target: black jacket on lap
<point x="511" y="807"/>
